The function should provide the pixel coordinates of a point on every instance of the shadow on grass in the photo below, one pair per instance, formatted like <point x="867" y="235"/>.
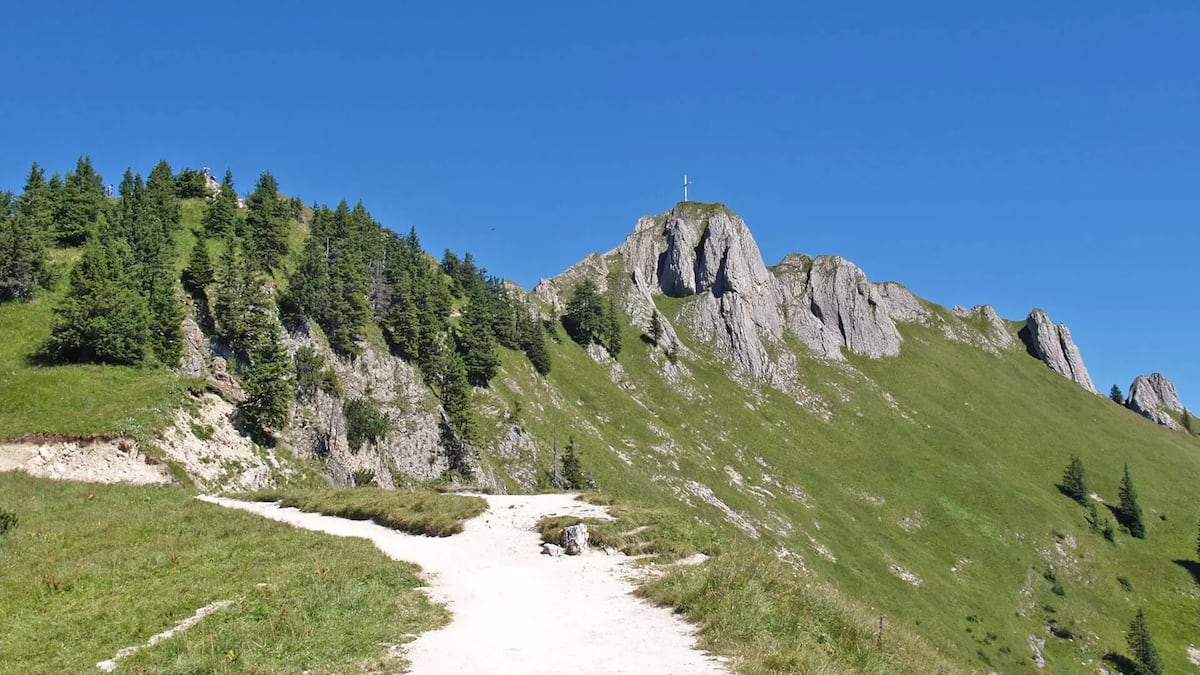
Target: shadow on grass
<point x="1122" y="663"/>
<point x="1192" y="567"/>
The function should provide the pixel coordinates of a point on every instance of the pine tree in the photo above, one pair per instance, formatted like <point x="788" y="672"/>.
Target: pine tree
<point x="656" y="329"/>
<point x="266" y="223"/>
<point x="459" y="429"/>
<point x="584" y="319"/>
<point x="36" y="204"/>
<point x="476" y="345"/>
<point x="1145" y="655"/>
<point x="1129" y="513"/>
<point x="572" y="467"/>
<point x="268" y="385"/>
<point x="612" y="328"/>
<point x="1116" y="395"/>
<point x="102" y="318"/>
<point x="81" y="204"/>
<point x="161" y="198"/>
<point x="23" y="268"/>
<point x="1074" y="482"/>
<point x="199" y="272"/>
<point x="533" y="341"/>
<point x="220" y="218"/>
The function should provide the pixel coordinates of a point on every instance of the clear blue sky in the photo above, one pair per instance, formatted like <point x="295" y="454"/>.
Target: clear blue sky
<point x="1019" y="154"/>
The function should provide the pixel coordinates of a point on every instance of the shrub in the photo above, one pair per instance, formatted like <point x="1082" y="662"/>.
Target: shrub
<point x="365" y="423"/>
<point x="8" y="520"/>
<point x="363" y="477"/>
<point x="312" y="374"/>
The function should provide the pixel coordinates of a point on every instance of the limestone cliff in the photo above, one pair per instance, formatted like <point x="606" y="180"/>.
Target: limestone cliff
<point x="1153" y="396"/>
<point x="1052" y="344"/>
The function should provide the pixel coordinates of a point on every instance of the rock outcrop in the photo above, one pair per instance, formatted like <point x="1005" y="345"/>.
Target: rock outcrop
<point x="1154" y="396"/>
<point x="1052" y="344"/>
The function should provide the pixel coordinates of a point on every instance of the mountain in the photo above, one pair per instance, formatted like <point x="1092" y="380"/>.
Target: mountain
<point x="900" y="456"/>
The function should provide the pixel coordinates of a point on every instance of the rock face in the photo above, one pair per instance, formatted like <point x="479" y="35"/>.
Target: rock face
<point x="574" y="539"/>
<point x="199" y="361"/>
<point x="1154" y="396"/>
<point x="705" y="252"/>
<point x="1052" y="344"/>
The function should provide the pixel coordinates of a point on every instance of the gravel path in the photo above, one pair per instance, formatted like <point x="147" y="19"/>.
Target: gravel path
<point x="516" y="611"/>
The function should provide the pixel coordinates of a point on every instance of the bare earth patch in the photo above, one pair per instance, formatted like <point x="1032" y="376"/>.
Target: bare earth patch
<point x="516" y="610"/>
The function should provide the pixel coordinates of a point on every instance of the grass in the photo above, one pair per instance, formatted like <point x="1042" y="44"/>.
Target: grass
<point x="940" y="464"/>
<point x="95" y="568"/>
<point x="427" y="513"/>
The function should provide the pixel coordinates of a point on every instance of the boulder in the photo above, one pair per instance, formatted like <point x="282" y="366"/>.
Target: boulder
<point x="574" y="539"/>
<point x="552" y="550"/>
<point x="1154" y="396"/>
<point x="1052" y="344"/>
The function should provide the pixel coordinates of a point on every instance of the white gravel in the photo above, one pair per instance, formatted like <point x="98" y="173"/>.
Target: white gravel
<point x="516" y="611"/>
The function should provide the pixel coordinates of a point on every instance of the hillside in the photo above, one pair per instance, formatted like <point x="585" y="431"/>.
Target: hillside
<point x="897" y="457"/>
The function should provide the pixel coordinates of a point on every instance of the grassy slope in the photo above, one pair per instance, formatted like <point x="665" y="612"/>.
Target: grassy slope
<point x="94" y="568"/>
<point x="972" y="462"/>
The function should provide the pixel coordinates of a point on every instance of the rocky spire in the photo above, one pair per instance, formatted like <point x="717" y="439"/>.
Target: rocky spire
<point x="1154" y="396"/>
<point x="1052" y="344"/>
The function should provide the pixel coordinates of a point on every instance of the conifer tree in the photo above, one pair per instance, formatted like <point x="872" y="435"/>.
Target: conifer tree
<point x="612" y="328"/>
<point x="268" y="385"/>
<point x="1116" y="395"/>
<point x="244" y="310"/>
<point x="162" y="200"/>
<point x="220" y="218"/>
<point x="36" y="204"/>
<point x="459" y="429"/>
<point x="1145" y="654"/>
<point x="476" y="345"/>
<point x="23" y="268"/>
<point x="1129" y="513"/>
<point x="572" y="467"/>
<point x="1074" y="481"/>
<point x="199" y="271"/>
<point x="533" y="341"/>
<point x="584" y="319"/>
<point x="81" y="204"/>
<point x="266" y="223"/>
<point x="102" y="318"/>
<point x="656" y="329"/>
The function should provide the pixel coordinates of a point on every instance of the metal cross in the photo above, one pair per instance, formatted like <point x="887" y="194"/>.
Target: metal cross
<point x="686" y="183"/>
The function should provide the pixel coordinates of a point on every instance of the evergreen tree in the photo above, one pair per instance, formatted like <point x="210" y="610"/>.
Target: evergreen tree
<point x="199" y="271"/>
<point x="1198" y="543"/>
<point x="220" y="218"/>
<point x="459" y="429"/>
<point x="266" y="223"/>
<point x="1129" y="513"/>
<point x="656" y="329"/>
<point x="268" y="385"/>
<point x="612" y="328"/>
<point x="584" y="320"/>
<point x="476" y="345"/>
<point x="330" y="284"/>
<point x="1116" y="395"/>
<point x="141" y="218"/>
<point x="1188" y="423"/>
<point x="1074" y="482"/>
<point x="1145" y="655"/>
<point x="533" y="341"/>
<point x="36" y="205"/>
<point x="244" y="310"/>
<point x="102" y="318"/>
<point x="81" y="204"/>
<point x="23" y="268"/>
<point x="572" y="467"/>
<point x="162" y="199"/>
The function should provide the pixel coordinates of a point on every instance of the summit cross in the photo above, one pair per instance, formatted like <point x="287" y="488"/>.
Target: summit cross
<point x="686" y="183"/>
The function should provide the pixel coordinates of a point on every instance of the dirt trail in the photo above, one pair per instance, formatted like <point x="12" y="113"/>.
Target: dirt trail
<point x="516" y="611"/>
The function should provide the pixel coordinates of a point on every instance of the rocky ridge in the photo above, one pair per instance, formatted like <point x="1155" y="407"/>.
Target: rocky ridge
<point x="705" y="252"/>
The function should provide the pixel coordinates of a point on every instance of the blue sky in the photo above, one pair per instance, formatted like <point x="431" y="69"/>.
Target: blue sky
<point x="1018" y="154"/>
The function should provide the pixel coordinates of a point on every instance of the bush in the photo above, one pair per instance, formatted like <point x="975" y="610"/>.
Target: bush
<point x="8" y="520"/>
<point x="365" y="423"/>
<point x="363" y="477"/>
<point x="312" y="374"/>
